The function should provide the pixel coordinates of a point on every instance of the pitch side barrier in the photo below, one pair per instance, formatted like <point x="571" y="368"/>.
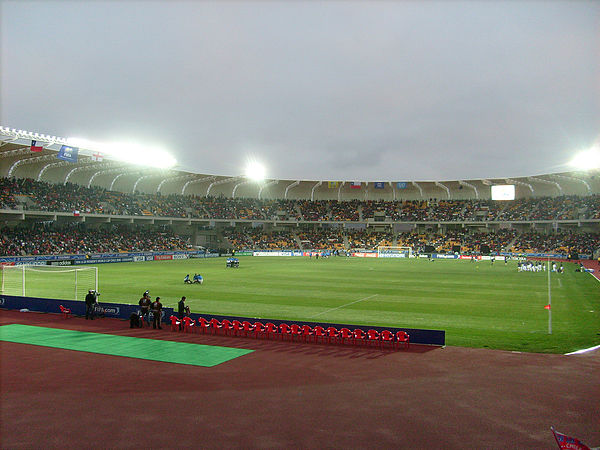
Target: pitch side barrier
<point x="50" y="305"/>
<point x="124" y="311"/>
<point x="373" y="254"/>
<point x="102" y="258"/>
<point x="417" y="335"/>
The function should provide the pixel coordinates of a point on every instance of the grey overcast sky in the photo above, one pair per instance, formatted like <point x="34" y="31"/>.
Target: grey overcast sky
<point x="318" y="90"/>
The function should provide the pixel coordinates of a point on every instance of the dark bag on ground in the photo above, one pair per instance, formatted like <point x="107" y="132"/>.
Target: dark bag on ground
<point x="135" y="321"/>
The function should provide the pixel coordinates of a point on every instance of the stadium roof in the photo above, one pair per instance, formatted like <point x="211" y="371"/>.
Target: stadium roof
<point x="18" y="158"/>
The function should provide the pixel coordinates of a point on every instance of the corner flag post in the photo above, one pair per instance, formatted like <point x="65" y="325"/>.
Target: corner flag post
<point x="549" y="301"/>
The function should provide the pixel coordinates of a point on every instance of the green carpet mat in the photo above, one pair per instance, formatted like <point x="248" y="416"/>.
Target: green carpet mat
<point x="130" y="347"/>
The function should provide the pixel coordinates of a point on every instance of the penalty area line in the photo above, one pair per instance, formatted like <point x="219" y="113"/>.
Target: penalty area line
<point x="347" y="304"/>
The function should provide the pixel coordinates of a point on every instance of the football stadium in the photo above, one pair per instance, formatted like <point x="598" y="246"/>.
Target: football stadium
<point x="148" y="304"/>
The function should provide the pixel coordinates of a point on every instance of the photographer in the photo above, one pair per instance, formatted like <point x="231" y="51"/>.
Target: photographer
<point x="90" y="303"/>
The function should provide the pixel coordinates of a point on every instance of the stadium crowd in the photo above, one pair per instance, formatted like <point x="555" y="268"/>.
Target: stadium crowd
<point x="49" y="239"/>
<point x="503" y="240"/>
<point x="38" y="195"/>
<point x="42" y="239"/>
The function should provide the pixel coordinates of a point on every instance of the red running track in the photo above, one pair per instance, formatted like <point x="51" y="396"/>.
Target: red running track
<point x="291" y="395"/>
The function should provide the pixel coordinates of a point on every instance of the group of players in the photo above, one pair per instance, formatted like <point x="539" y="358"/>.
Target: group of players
<point x="197" y="279"/>
<point x="538" y="266"/>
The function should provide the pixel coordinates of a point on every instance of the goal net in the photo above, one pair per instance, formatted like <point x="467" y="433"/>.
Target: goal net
<point x="66" y="283"/>
<point x="391" y="251"/>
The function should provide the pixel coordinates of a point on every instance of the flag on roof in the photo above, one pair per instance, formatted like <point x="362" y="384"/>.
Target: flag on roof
<point x="566" y="442"/>
<point x="67" y="153"/>
<point x="379" y="185"/>
<point x="332" y="184"/>
<point x="36" y="148"/>
<point x="97" y="156"/>
<point x="355" y="185"/>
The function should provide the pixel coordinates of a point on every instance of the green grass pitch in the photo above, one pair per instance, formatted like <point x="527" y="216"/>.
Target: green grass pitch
<point x="478" y="304"/>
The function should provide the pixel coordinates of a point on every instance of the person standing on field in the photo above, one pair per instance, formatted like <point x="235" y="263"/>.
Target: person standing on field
<point x="90" y="304"/>
<point x="145" y="303"/>
<point x="157" y="312"/>
<point x="181" y="311"/>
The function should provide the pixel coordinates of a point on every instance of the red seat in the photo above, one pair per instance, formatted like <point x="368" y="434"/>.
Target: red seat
<point x="246" y="327"/>
<point x="358" y="335"/>
<point x="332" y="333"/>
<point x="175" y="322"/>
<point x="284" y="330"/>
<point x="202" y="324"/>
<point x="319" y="332"/>
<point x="236" y="325"/>
<point x="65" y="312"/>
<point x="345" y="333"/>
<point x="258" y="328"/>
<point x="226" y="326"/>
<point x="189" y="325"/>
<point x="373" y="336"/>
<point x="295" y="330"/>
<point x="270" y="328"/>
<point x="306" y="331"/>
<point x="387" y="336"/>
<point x="403" y="337"/>
<point x="214" y="325"/>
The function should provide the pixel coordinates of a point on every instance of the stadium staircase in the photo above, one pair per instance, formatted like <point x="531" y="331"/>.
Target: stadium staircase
<point x="346" y="242"/>
<point x="24" y="202"/>
<point x="510" y="244"/>
<point x="297" y="241"/>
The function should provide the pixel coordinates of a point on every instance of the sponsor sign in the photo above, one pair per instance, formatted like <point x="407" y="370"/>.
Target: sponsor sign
<point x="364" y="255"/>
<point x="61" y="263"/>
<point x="266" y="254"/>
<point x="103" y="260"/>
<point x="139" y="258"/>
<point x="163" y="257"/>
<point x="445" y="256"/>
<point x="284" y="253"/>
<point x="107" y="310"/>
<point x="181" y="256"/>
<point x="392" y="255"/>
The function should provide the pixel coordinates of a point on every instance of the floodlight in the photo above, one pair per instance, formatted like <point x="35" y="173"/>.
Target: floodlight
<point x="140" y="155"/>
<point x="255" y="171"/>
<point x="586" y="160"/>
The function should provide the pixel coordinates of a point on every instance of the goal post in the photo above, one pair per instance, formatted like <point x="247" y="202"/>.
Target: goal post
<point x="393" y="251"/>
<point x="65" y="283"/>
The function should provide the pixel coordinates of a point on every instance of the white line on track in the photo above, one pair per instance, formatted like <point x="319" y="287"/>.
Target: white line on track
<point x="347" y="304"/>
<point x="584" y="350"/>
<point x="559" y="283"/>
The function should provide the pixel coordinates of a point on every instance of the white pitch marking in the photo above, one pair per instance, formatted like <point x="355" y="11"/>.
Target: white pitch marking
<point x="584" y="350"/>
<point x="347" y="304"/>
